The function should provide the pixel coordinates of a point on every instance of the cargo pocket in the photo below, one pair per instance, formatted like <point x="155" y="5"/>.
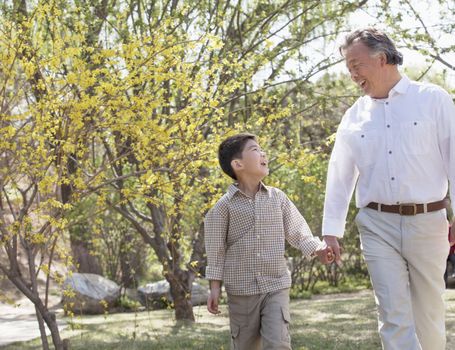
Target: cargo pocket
<point x="235" y="331"/>
<point x="286" y="321"/>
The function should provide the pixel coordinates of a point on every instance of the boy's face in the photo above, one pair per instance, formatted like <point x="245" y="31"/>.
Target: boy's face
<point x="253" y="162"/>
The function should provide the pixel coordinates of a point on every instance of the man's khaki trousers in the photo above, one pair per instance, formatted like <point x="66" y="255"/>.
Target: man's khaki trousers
<point x="406" y="258"/>
<point x="260" y="321"/>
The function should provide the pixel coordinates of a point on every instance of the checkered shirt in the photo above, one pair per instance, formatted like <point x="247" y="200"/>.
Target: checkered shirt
<point x="245" y="240"/>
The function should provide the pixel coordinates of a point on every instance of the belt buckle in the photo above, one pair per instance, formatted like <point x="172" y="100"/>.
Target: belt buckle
<point x="413" y="205"/>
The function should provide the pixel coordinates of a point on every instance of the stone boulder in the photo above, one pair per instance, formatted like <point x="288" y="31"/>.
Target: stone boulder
<point x="157" y="295"/>
<point x="88" y="293"/>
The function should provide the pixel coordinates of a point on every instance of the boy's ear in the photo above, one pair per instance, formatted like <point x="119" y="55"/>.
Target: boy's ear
<point x="236" y="164"/>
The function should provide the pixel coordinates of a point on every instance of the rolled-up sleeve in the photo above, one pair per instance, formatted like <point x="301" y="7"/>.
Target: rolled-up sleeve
<point x="215" y="230"/>
<point x="296" y="229"/>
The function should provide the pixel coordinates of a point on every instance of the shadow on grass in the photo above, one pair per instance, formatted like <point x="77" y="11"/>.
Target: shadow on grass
<point x="335" y="324"/>
<point x="345" y="322"/>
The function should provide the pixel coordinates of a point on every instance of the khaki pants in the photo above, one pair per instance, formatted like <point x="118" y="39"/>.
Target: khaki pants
<point x="406" y="257"/>
<point x="260" y="321"/>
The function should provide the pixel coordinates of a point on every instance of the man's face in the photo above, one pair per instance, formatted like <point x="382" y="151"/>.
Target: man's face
<point x="366" y="70"/>
<point x="254" y="161"/>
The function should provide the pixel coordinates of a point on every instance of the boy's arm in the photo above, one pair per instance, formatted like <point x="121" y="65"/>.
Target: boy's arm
<point x="215" y="231"/>
<point x="297" y="231"/>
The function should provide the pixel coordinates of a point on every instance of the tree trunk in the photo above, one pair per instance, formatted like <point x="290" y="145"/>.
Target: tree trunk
<point x="181" y="282"/>
<point x="42" y="329"/>
<point x="80" y="241"/>
<point x="85" y="262"/>
<point x="130" y="261"/>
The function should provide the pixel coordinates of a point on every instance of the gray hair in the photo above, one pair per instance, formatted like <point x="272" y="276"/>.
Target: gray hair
<point x="377" y="41"/>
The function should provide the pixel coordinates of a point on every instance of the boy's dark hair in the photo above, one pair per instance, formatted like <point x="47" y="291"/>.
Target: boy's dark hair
<point x="377" y="41"/>
<point x="232" y="148"/>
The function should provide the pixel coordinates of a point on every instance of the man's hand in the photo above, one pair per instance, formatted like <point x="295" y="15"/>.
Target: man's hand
<point x="332" y="243"/>
<point x="214" y="297"/>
<point x="325" y="254"/>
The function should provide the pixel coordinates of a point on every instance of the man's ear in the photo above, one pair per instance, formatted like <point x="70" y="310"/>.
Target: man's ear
<point x="236" y="164"/>
<point x="383" y="58"/>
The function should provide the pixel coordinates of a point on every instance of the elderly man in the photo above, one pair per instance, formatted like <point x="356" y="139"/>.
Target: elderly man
<point x="396" y="146"/>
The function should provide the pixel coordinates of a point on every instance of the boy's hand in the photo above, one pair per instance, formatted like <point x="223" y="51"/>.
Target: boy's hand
<point x="213" y="300"/>
<point x="214" y="297"/>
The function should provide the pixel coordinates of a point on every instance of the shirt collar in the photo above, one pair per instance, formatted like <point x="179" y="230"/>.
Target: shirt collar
<point x="400" y="88"/>
<point x="233" y="189"/>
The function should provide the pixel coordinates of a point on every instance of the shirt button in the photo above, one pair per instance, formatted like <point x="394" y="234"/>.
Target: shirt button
<point x="388" y="125"/>
<point x="259" y="273"/>
<point x="390" y="152"/>
<point x="258" y="255"/>
<point x="387" y="103"/>
<point x="258" y="236"/>
<point x="392" y="178"/>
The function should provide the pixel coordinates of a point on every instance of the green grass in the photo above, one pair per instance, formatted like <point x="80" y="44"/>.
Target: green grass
<point x="342" y="321"/>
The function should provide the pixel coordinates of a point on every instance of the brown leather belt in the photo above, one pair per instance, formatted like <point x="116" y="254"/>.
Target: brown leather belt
<point x="409" y="208"/>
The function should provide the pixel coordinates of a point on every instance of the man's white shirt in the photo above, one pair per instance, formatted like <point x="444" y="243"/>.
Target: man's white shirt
<point x="393" y="151"/>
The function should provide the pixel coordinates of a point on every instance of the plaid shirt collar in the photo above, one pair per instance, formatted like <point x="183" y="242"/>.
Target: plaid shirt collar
<point x="233" y="189"/>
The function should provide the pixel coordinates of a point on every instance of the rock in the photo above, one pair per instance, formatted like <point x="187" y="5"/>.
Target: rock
<point x="199" y="294"/>
<point x="132" y="294"/>
<point x="93" y="294"/>
<point x="157" y="295"/>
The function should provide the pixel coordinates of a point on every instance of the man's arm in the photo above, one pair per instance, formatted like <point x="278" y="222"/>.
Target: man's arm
<point x="341" y="179"/>
<point x="445" y="111"/>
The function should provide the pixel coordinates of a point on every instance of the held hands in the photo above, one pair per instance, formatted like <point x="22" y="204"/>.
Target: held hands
<point x="325" y="254"/>
<point x="332" y="244"/>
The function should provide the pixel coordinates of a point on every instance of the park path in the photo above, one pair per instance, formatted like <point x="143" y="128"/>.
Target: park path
<point x="18" y="322"/>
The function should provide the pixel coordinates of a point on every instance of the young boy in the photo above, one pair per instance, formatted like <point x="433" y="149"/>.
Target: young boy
<point x="245" y="236"/>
